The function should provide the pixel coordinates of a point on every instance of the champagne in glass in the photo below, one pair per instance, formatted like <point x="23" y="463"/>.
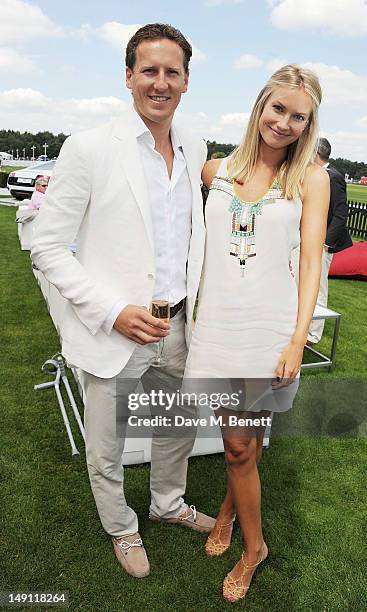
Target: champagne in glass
<point x="161" y="310"/>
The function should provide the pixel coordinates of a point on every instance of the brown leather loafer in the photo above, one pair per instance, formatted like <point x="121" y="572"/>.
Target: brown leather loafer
<point x="189" y="518"/>
<point x="131" y="554"/>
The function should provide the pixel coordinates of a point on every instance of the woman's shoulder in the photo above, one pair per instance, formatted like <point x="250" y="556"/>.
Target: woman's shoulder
<point x="210" y="170"/>
<point x="316" y="183"/>
<point x="315" y="175"/>
<point x="315" y="178"/>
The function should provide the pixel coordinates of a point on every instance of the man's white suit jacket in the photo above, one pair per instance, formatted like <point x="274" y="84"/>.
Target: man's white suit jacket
<point x="98" y="197"/>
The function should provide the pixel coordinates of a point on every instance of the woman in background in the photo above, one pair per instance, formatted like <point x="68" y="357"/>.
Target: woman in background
<point x="252" y="323"/>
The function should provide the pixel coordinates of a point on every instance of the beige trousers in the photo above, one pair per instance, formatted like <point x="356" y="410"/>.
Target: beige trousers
<point x="104" y="448"/>
<point x="317" y="327"/>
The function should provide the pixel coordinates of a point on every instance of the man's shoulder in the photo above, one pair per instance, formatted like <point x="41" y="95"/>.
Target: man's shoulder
<point x="88" y="137"/>
<point x="92" y="136"/>
<point x="334" y="173"/>
<point x="194" y="148"/>
<point x="189" y="138"/>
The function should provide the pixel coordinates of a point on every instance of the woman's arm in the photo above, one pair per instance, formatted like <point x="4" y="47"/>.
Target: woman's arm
<point x="315" y="204"/>
<point x="209" y="171"/>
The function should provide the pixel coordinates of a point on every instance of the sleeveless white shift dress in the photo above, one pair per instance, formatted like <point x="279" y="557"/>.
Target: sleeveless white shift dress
<point x="248" y="297"/>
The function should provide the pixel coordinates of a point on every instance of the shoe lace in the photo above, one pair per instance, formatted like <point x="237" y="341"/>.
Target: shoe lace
<point x="125" y="545"/>
<point x="193" y="510"/>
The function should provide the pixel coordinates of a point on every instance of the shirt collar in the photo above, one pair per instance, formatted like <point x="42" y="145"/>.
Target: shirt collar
<point x="137" y="124"/>
<point x="142" y="132"/>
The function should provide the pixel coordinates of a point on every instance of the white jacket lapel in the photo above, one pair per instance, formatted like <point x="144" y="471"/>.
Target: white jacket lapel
<point x="131" y="164"/>
<point x="193" y="163"/>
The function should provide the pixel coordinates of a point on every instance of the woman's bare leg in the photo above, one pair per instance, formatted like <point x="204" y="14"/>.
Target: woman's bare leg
<point x="242" y="455"/>
<point x="227" y="509"/>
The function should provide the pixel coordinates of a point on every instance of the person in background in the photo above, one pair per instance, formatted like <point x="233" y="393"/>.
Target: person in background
<point x="39" y="193"/>
<point x="337" y="236"/>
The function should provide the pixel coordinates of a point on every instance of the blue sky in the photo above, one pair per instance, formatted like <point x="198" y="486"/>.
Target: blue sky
<point x="62" y="66"/>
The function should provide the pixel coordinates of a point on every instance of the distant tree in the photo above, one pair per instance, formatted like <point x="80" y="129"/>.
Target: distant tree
<point x="218" y="155"/>
<point x="345" y="166"/>
<point x="223" y="149"/>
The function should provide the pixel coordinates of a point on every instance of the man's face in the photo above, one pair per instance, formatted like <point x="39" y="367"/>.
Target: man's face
<point x="158" y="80"/>
<point x="42" y="185"/>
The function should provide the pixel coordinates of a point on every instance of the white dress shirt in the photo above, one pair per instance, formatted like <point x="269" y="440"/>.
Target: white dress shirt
<point x="170" y="200"/>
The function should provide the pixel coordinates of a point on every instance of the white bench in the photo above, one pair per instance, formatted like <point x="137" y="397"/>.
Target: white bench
<point x="324" y="360"/>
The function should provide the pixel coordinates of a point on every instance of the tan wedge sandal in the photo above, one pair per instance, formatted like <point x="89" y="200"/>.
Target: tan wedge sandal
<point x="233" y="589"/>
<point x="214" y="547"/>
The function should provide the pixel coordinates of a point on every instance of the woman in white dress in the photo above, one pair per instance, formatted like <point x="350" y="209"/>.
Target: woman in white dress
<point x="252" y="322"/>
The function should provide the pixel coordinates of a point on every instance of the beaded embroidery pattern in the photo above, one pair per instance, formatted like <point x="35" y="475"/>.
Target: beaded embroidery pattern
<point x="243" y="227"/>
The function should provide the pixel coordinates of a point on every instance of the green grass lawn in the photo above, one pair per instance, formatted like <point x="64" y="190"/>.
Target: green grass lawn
<point x="11" y="168"/>
<point x="314" y="494"/>
<point x="357" y="193"/>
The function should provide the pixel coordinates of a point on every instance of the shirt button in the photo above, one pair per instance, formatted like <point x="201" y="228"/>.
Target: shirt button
<point x="150" y="276"/>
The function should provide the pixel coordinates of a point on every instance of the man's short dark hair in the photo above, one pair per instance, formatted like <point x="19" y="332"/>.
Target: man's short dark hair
<point x="324" y="149"/>
<point x="155" y="31"/>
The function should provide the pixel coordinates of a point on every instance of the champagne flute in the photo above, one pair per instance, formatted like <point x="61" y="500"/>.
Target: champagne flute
<point x="161" y="310"/>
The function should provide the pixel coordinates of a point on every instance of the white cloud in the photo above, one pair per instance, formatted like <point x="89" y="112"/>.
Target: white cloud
<point x="21" y="21"/>
<point x="84" y="32"/>
<point x="235" y="119"/>
<point x="118" y="35"/>
<point x="350" y="145"/>
<point x="228" y="128"/>
<point x="231" y="127"/>
<point x="11" y="61"/>
<point x="28" y="109"/>
<point x="343" y="17"/>
<point x="340" y="86"/>
<point x="22" y="100"/>
<point x="197" y="55"/>
<point x="114" y="33"/>
<point x="247" y="60"/>
<point x="97" y="107"/>
<point x="198" y="122"/>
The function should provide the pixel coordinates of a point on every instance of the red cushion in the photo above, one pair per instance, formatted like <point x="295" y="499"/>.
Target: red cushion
<point x="350" y="263"/>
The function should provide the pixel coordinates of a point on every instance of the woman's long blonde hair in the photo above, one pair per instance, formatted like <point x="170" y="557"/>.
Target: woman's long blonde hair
<point x="299" y="154"/>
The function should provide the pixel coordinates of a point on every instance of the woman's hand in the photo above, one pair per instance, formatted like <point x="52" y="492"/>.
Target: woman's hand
<point x="289" y="364"/>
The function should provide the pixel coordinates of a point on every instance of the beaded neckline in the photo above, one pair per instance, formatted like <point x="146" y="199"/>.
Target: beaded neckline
<point x="274" y="185"/>
<point x="243" y="218"/>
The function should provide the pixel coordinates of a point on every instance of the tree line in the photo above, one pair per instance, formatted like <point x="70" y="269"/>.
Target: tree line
<point x="11" y="140"/>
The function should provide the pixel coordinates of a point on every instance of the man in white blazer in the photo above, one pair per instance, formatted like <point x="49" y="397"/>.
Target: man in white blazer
<point x="128" y="194"/>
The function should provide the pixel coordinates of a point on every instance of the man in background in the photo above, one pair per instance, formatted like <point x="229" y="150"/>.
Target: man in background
<point x="337" y="236"/>
<point x="39" y="193"/>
